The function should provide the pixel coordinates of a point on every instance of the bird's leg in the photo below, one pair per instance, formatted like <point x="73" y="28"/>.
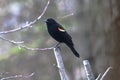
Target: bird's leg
<point x="57" y="45"/>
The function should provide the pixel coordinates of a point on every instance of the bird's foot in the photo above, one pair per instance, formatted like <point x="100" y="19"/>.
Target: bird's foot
<point x="57" y="45"/>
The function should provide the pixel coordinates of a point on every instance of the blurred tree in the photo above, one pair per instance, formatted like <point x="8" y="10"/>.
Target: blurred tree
<point x="114" y="32"/>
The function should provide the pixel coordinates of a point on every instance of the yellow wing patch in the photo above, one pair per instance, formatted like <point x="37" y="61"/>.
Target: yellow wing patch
<point x="60" y="29"/>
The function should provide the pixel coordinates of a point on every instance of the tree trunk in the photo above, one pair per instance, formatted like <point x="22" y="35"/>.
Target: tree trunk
<point x="115" y="28"/>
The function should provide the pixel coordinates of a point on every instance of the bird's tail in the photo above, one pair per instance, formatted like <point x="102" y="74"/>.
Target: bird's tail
<point x="71" y="46"/>
<point x="75" y="52"/>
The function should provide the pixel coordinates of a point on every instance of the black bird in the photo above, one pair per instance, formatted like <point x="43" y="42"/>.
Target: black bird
<point x="59" y="34"/>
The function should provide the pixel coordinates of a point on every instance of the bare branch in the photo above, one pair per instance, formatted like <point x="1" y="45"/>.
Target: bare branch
<point x="66" y="16"/>
<point x="14" y="42"/>
<point x="88" y="70"/>
<point x="1" y="74"/>
<point x="28" y="25"/>
<point x="25" y="47"/>
<point x="44" y="10"/>
<point x="98" y="77"/>
<point x="60" y="63"/>
<point x="35" y="49"/>
<point x="105" y="73"/>
<point x="18" y="76"/>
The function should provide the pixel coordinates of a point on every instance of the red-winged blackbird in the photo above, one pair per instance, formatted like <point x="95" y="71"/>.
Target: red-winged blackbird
<point x="60" y="35"/>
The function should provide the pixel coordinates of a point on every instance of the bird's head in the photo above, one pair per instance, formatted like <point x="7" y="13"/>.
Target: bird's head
<point x="50" y="20"/>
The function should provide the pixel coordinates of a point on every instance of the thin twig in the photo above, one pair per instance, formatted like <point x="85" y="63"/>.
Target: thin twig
<point x="66" y="16"/>
<point x="105" y="73"/>
<point x="18" y="76"/>
<point x="28" y="25"/>
<point x="1" y="74"/>
<point x="35" y="49"/>
<point x="44" y="10"/>
<point x="25" y="47"/>
<point x="14" y="42"/>
<point x="98" y="77"/>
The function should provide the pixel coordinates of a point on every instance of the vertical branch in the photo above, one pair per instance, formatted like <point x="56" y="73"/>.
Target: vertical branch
<point x="88" y="70"/>
<point x="60" y="64"/>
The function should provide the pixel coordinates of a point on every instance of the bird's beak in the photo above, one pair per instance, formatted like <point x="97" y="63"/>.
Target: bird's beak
<point x="45" y="20"/>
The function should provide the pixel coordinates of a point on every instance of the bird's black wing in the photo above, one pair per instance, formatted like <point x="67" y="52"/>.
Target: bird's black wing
<point x="64" y="36"/>
<point x="63" y="31"/>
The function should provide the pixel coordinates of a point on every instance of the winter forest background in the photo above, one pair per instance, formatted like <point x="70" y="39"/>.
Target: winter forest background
<point x="93" y="24"/>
